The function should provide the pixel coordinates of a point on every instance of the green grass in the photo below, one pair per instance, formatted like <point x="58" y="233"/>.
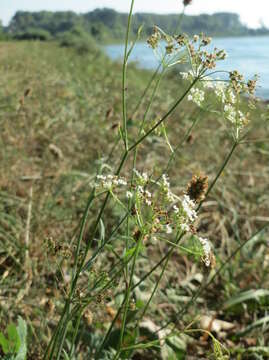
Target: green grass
<point x="55" y="139"/>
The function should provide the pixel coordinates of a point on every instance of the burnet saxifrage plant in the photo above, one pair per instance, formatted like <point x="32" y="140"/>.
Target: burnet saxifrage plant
<point x="152" y="211"/>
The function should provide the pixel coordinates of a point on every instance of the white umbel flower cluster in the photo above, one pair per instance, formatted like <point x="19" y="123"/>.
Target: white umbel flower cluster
<point x="187" y="215"/>
<point x="230" y="113"/>
<point x="187" y="75"/>
<point x="142" y="178"/>
<point x="165" y="185"/>
<point x="144" y="194"/>
<point x="110" y="181"/>
<point x="197" y="96"/>
<point x="189" y="208"/>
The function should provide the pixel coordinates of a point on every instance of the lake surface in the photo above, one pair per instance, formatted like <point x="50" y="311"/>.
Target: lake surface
<point x="248" y="55"/>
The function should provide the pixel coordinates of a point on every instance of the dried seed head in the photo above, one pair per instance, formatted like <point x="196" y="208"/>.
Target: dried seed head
<point x="137" y="234"/>
<point x="154" y="39"/>
<point x="27" y="92"/>
<point x="49" y="306"/>
<point x="88" y="316"/>
<point x="197" y="187"/>
<point x="187" y="2"/>
<point x="181" y="39"/>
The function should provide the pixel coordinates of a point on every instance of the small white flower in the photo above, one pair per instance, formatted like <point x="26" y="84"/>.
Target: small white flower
<point x="145" y="176"/>
<point x="122" y="182"/>
<point x="107" y="184"/>
<point x="185" y="227"/>
<point x="231" y="98"/>
<point x="148" y="194"/>
<point x="206" y="249"/>
<point x="197" y="96"/>
<point x="176" y="209"/>
<point x="101" y="177"/>
<point x="187" y="75"/>
<point x="165" y="180"/>
<point x="129" y="194"/>
<point x="168" y="229"/>
<point x="142" y="178"/>
<point x="208" y="82"/>
<point x="230" y="113"/>
<point x="148" y="202"/>
<point x="184" y="75"/>
<point x="220" y="91"/>
<point x="189" y="208"/>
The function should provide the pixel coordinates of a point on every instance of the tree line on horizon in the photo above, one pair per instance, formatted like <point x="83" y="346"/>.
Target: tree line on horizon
<point x="106" y="25"/>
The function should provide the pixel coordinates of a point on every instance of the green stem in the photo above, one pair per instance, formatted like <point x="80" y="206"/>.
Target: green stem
<point x="124" y="73"/>
<point x="219" y="173"/>
<point x="128" y="294"/>
<point x="75" y="334"/>
<point x="164" y="117"/>
<point x="154" y="291"/>
<point x="147" y="89"/>
<point x="185" y="137"/>
<point x="82" y="228"/>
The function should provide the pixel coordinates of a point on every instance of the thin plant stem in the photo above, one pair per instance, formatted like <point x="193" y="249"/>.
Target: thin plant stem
<point x="128" y="294"/>
<point x="219" y="173"/>
<point x="82" y="228"/>
<point x="124" y="73"/>
<point x="75" y="333"/>
<point x="154" y="290"/>
<point x="153" y="77"/>
<point x="173" y="154"/>
<point x="164" y="117"/>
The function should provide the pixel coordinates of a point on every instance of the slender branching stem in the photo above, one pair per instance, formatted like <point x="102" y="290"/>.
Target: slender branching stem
<point x="142" y="138"/>
<point x="124" y="73"/>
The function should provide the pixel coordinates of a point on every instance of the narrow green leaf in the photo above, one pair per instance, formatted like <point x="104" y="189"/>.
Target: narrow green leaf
<point x="22" y="332"/>
<point x="255" y="295"/>
<point x="13" y="338"/>
<point x="4" y="343"/>
<point x="259" y="323"/>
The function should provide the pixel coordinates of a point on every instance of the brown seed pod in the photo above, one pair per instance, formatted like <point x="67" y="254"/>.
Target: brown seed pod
<point x="197" y="187"/>
<point x="187" y="2"/>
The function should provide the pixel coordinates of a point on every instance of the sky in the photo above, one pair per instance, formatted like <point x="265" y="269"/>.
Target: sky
<point x="252" y="13"/>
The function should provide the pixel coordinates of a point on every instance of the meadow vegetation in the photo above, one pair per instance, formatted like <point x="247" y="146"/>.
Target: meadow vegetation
<point x="131" y="226"/>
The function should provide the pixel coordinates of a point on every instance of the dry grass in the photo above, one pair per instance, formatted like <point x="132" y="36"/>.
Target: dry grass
<point x="50" y="142"/>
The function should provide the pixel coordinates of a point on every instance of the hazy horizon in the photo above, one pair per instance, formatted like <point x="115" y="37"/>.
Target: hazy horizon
<point x="251" y="14"/>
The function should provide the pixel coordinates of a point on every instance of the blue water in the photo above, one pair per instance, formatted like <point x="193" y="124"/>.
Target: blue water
<point x="248" y="55"/>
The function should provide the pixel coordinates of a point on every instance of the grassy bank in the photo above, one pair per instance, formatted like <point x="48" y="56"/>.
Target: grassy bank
<point x="59" y="115"/>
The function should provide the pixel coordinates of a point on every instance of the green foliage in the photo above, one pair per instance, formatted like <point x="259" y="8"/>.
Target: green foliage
<point x="33" y="34"/>
<point x="14" y="345"/>
<point x="78" y="39"/>
<point x="109" y="25"/>
<point x="3" y="35"/>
